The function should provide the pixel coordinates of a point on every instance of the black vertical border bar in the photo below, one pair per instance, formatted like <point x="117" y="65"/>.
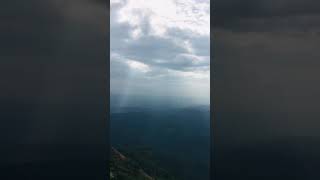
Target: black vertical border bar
<point x="69" y="156"/>
<point x="107" y="100"/>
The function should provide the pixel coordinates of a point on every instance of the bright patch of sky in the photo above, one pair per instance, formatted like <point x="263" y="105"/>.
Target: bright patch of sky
<point x="161" y="48"/>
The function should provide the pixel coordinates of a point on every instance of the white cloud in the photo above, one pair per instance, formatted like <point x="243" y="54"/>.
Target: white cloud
<point x="161" y="44"/>
<point x="183" y="14"/>
<point x="136" y="65"/>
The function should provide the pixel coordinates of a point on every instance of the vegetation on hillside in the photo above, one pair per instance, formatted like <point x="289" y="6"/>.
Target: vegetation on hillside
<point x="135" y="166"/>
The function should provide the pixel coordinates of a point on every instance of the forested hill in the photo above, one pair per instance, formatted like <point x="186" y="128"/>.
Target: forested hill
<point x="123" y="167"/>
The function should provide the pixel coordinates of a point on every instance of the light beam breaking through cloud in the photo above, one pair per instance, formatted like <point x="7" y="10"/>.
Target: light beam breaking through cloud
<point x="158" y="45"/>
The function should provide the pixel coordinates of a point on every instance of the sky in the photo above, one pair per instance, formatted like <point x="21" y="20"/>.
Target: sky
<point x="160" y="49"/>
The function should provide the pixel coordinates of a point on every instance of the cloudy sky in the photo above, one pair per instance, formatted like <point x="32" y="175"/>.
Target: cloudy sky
<point x="160" y="48"/>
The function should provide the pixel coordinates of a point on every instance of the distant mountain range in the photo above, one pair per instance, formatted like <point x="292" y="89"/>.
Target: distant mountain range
<point x="178" y="138"/>
<point x="154" y="102"/>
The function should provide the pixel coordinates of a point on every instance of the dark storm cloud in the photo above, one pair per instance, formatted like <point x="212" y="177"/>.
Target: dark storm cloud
<point x="53" y="69"/>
